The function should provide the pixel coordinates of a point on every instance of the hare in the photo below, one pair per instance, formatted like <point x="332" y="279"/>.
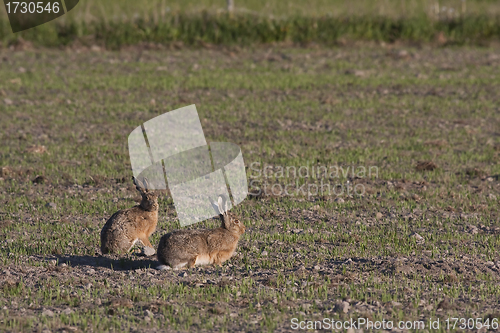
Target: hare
<point x="127" y="226"/>
<point x="181" y="248"/>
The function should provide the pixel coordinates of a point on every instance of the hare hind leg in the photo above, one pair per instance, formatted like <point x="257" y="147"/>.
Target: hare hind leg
<point x="177" y="263"/>
<point x="191" y="262"/>
<point x="202" y="259"/>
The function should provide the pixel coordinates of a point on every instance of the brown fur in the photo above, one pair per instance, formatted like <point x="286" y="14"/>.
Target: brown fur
<point x="125" y="227"/>
<point x="181" y="248"/>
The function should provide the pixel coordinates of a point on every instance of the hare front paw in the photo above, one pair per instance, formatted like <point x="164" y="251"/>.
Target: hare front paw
<point x="148" y="251"/>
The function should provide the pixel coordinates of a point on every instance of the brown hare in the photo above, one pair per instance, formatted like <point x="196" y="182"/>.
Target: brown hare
<point x="128" y="226"/>
<point x="181" y="248"/>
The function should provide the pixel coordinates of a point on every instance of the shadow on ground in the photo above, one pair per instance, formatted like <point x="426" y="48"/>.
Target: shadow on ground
<point x="118" y="264"/>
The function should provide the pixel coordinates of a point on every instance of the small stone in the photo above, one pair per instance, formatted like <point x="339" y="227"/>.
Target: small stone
<point x="51" y="205"/>
<point x="52" y="262"/>
<point x="264" y="253"/>
<point x="348" y="261"/>
<point x="342" y="307"/>
<point x="339" y="200"/>
<point x="473" y="229"/>
<point x="183" y="274"/>
<point x="147" y="319"/>
<point x="301" y="268"/>
<point x="97" y="301"/>
<point x="67" y="311"/>
<point x="63" y="264"/>
<point x="403" y="54"/>
<point x="47" y="313"/>
<point x="88" y="285"/>
<point x="446" y="305"/>
<point x="4" y="171"/>
<point x="426" y="166"/>
<point x="394" y="303"/>
<point x="379" y="215"/>
<point x="8" y="101"/>
<point x="419" y="239"/>
<point x="317" y="267"/>
<point x="217" y="310"/>
<point x="490" y="263"/>
<point x="358" y="73"/>
<point x="39" y="180"/>
<point x="91" y="271"/>
<point x="148" y="313"/>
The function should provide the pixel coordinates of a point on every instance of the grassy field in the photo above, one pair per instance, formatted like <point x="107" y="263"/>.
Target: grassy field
<point x="117" y="23"/>
<point x="401" y="243"/>
<point x="119" y="10"/>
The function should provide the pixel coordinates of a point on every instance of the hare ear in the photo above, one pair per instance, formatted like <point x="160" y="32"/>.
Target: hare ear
<point x="138" y="184"/>
<point x="214" y="206"/>
<point x="220" y="204"/>
<point x="147" y="186"/>
<point x="226" y="205"/>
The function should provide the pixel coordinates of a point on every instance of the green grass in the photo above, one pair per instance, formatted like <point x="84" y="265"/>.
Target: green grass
<point x="116" y="24"/>
<point x="359" y="107"/>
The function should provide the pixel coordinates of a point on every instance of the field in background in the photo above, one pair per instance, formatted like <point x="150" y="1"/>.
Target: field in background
<point x="118" y="23"/>
<point x="414" y="244"/>
<point x="127" y="9"/>
<point x="118" y="10"/>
